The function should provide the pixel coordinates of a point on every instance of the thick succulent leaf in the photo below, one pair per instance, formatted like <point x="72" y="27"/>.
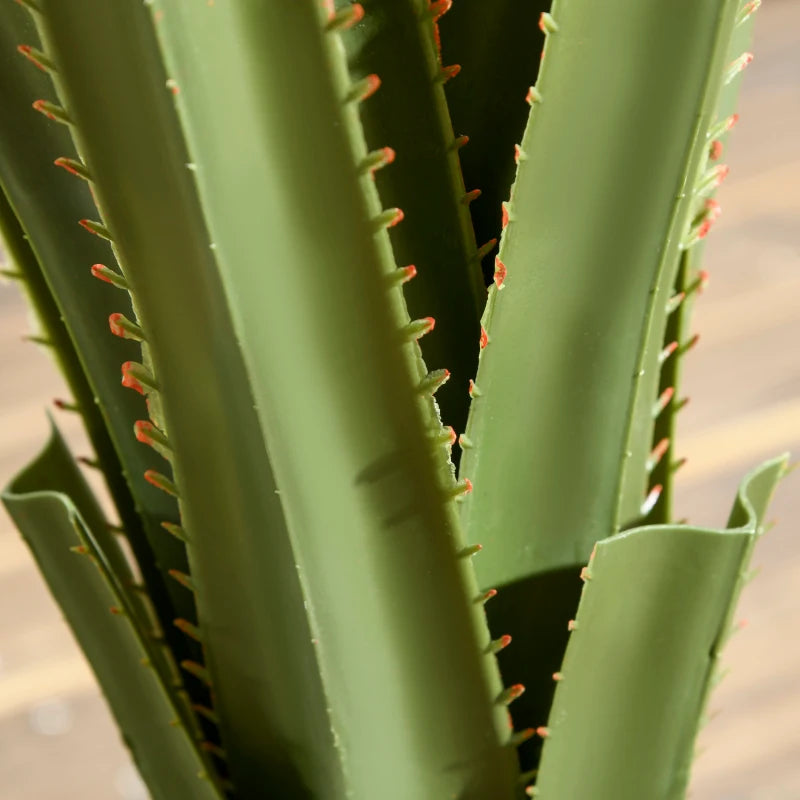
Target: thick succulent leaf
<point x="249" y="594"/>
<point x="688" y="278"/>
<point x="398" y="42"/>
<point x="55" y="511"/>
<point x="61" y="347"/>
<point x="563" y="407"/>
<point x="302" y="640"/>
<point x="56" y="259"/>
<point x="653" y="617"/>
<point x="369" y="503"/>
<point x="586" y="286"/>
<point x="497" y="44"/>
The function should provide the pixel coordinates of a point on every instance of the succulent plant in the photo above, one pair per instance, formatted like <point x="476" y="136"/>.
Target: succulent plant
<point x="279" y="202"/>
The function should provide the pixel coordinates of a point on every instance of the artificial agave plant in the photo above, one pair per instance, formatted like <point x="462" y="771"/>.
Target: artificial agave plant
<point x="280" y="199"/>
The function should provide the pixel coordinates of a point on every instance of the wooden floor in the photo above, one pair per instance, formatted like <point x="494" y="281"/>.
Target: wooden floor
<point x="56" y="739"/>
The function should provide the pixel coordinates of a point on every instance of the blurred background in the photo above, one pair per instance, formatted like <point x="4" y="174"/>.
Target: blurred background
<point x="56" y="737"/>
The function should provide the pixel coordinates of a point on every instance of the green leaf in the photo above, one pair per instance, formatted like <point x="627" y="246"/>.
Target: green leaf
<point x="688" y="276"/>
<point x="62" y="348"/>
<point x="398" y="42"/>
<point x="498" y="45"/>
<point x="654" y="615"/>
<point x="585" y="295"/>
<point x="55" y="261"/>
<point x="561" y="422"/>
<point x="242" y="297"/>
<point x="54" y="509"/>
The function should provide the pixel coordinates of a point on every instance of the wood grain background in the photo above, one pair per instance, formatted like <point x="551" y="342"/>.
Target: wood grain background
<point x="56" y="738"/>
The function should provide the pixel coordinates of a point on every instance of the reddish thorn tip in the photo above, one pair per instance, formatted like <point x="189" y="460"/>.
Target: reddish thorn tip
<point x="542" y="22"/>
<point x="663" y="400"/>
<point x="543" y="731"/>
<point x="398" y="217"/>
<point x="64" y="163"/>
<point x="40" y="106"/>
<point x="651" y="499"/>
<point x="472" y="195"/>
<point x="152" y="477"/>
<point x="448" y="73"/>
<point x="439" y="8"/>
<point x="484" y="339"/>
<point x="716" y="150"/>
<point x="114" y="324"/>
<point x="97" y="272"/>
<point x="373" y="84"/>
<point x="658" y="451"/>
<point x="143" y="430"/>
<point x="500" y="273"/>
<point x="128" y="380"/>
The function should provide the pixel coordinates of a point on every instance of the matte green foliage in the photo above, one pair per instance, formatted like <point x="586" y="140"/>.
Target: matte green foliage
<point x="603" y="697"/>
<point x="281" y="204"/>
<point x="56" y="513"/>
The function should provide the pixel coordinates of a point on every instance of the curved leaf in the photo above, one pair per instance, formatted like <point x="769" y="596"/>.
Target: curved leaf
<point x="55" y="511"/>
<point x="654" y="615"/>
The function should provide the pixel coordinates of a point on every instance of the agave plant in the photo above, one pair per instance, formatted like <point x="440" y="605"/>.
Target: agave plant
<point x="279" y="201"/>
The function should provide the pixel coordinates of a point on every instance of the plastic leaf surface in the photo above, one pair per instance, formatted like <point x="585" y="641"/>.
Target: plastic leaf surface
<point x="654" y="614"/>
<point x="51" y="504"/>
